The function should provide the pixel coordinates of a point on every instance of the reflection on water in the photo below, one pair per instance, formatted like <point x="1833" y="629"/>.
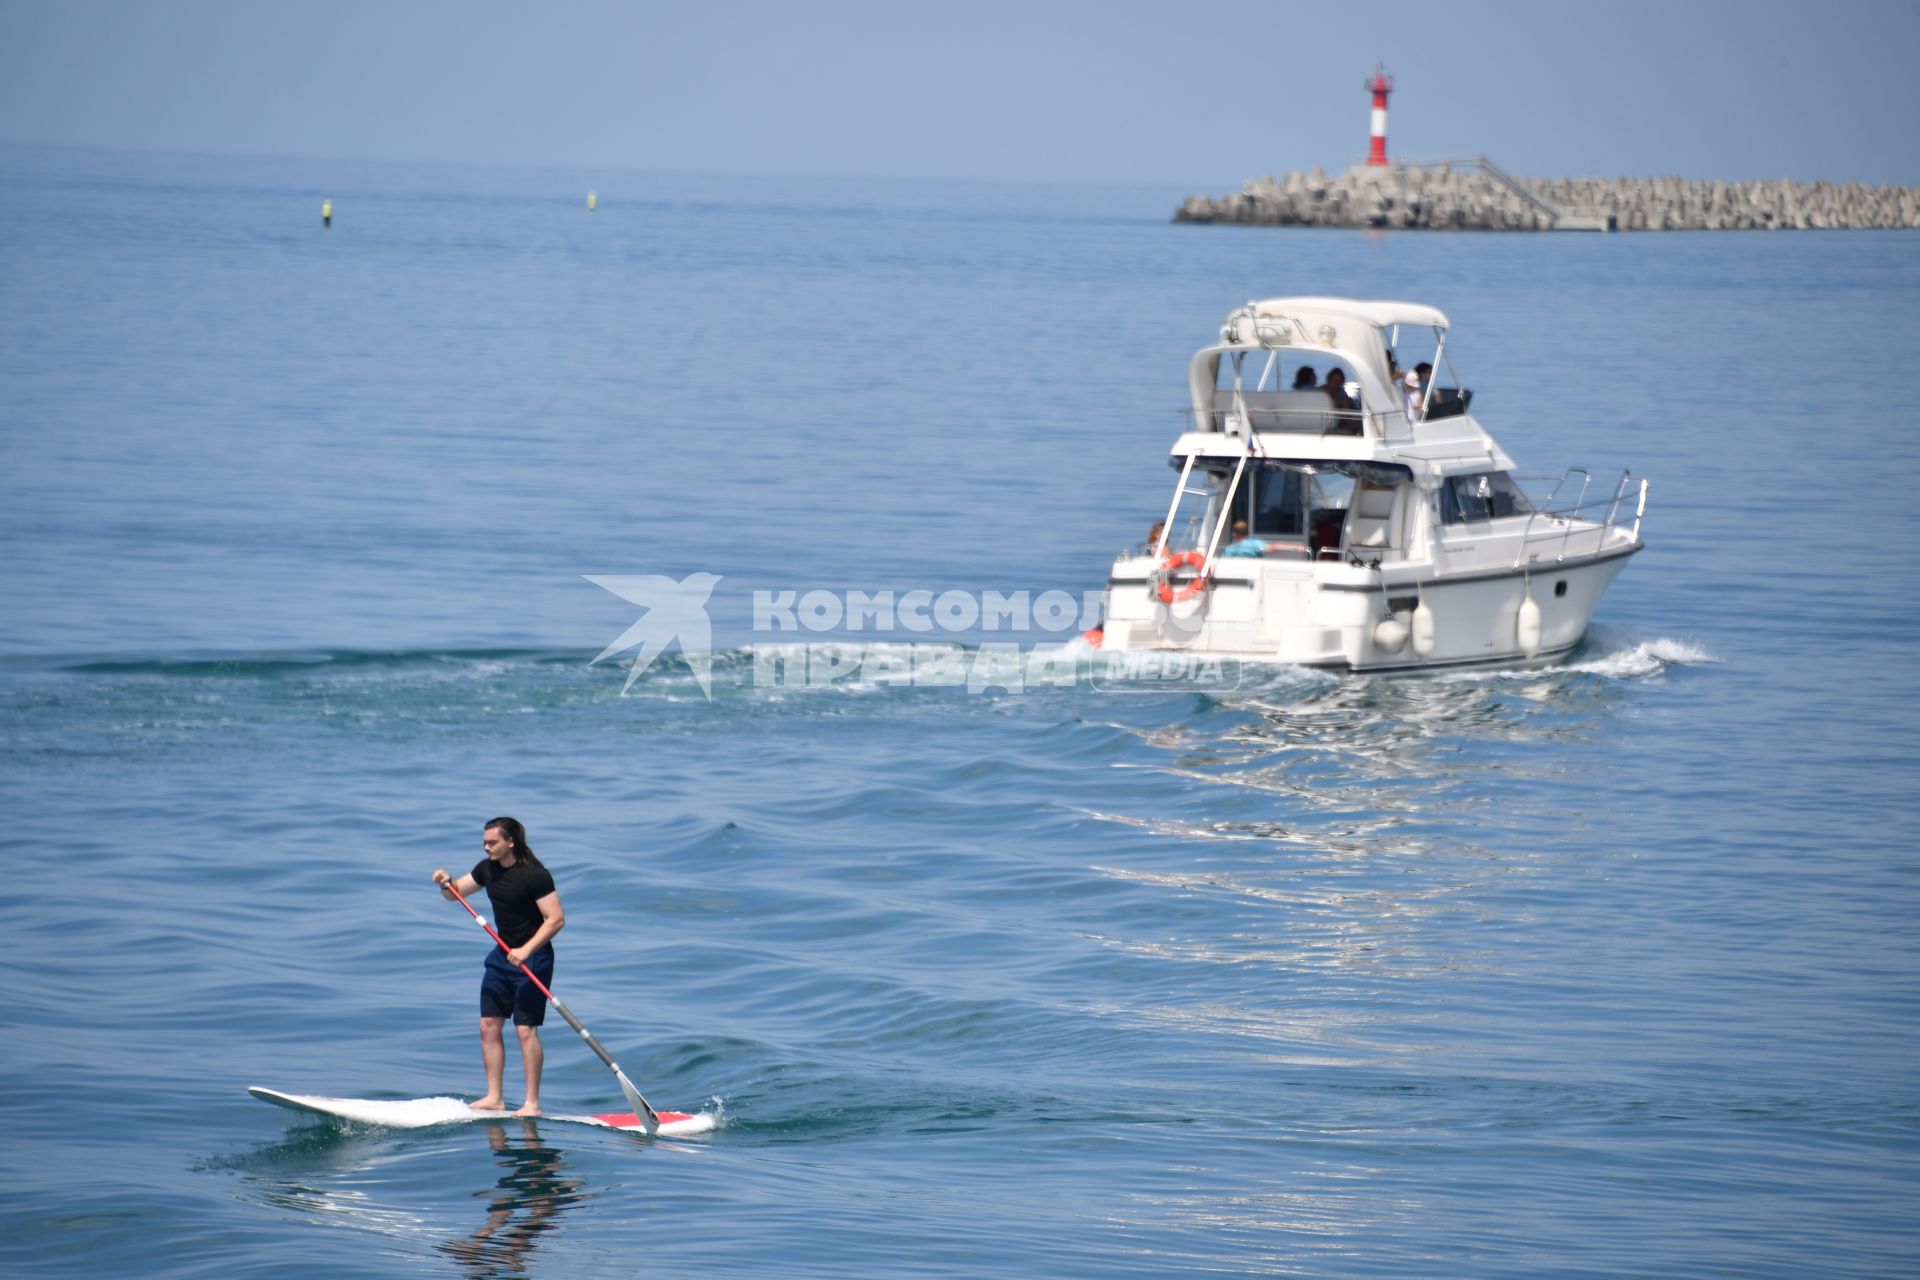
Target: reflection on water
<point x="527" y="1201"/>
<point x="1357" y="835"/>
<point x="359" y="1178"/>
<point x="1365" y="760"/>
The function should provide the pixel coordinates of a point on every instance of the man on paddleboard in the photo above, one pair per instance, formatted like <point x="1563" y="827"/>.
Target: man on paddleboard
<point x="526" y="914"/>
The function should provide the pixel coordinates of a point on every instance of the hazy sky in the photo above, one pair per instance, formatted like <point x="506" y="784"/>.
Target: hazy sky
<point x="1200" y="95"/>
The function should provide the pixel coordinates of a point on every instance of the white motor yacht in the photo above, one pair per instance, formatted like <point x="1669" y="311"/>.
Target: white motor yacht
<point x="1339" y="506"/>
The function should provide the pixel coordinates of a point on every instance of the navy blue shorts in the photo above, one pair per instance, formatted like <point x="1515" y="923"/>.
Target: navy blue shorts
<point x="504" y="990"/>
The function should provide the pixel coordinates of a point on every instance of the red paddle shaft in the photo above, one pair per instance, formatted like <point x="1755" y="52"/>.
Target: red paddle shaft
<point x="649" y="1118"/>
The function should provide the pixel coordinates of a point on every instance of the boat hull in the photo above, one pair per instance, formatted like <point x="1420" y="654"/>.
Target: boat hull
<point x="1324" y="614"/>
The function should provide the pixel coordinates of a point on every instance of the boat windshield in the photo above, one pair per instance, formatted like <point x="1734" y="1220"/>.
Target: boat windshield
<point x="1486" y="495"/>
<point x="1289" y="502"/>
<point x="1332" y="494"/>
<point x="1276" y="505"/>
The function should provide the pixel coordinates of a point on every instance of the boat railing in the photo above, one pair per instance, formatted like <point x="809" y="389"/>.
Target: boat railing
<point x="1310" y="413"/>
<point x="1290" y="419"/>
<point x="1571" y="516"/>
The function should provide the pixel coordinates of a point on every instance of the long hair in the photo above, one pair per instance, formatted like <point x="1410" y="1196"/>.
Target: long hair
<point x="516" y="833"/>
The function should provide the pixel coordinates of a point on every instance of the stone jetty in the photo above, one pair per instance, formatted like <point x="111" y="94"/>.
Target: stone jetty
<point x="1474" y="194"/>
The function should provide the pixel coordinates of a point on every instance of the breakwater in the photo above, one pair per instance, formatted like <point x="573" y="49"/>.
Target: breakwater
<point x="1476" y="195"/>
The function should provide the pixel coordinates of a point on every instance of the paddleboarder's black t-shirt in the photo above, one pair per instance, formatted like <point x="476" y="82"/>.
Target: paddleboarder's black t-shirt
<point x="515" y="892"/>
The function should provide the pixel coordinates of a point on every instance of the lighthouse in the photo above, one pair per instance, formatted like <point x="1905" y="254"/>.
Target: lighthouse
<point x="1381" y="85"/>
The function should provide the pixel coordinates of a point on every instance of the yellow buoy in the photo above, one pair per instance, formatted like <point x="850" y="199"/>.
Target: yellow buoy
<point x="326" y="213"/>
<point x="593" y="202"/>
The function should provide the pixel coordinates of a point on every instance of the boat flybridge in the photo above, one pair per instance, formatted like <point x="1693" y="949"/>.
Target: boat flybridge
<point x="1337" y="508"/>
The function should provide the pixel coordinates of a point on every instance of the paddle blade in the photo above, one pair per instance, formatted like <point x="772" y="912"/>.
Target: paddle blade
<point x="649" y="1118"/>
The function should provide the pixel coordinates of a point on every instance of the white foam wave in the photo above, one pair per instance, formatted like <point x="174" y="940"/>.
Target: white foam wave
<point x="1649" y="657"/>
<point x="882" y="667"/>
<point x="1612" y="662"/>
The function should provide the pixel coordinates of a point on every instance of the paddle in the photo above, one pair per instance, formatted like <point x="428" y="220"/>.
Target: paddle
<point x="649" y="1118"/>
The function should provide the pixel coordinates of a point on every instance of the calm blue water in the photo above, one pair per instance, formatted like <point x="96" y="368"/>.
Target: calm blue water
<point x="1606" y="970"/>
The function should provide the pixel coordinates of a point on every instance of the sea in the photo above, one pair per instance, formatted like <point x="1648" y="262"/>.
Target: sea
<point x="324" y="544"/>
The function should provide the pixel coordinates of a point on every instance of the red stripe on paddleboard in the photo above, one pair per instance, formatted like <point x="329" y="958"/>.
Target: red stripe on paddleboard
<point x="628" y="1120"/>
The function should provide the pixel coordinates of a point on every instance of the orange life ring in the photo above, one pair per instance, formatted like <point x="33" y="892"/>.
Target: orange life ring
<point x="1181" y="560"/>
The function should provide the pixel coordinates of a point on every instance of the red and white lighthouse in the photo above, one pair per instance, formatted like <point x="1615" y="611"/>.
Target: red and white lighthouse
<point x="1381" y="85"/>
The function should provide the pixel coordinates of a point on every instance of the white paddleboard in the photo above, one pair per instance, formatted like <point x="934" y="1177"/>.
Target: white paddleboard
<point x="421" y="1113"/>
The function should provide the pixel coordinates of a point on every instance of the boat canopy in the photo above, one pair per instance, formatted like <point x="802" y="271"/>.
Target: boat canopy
<point x="1370" y="339"/>
<point x="1361" y="334"/>
<point x="1382" y="315"/>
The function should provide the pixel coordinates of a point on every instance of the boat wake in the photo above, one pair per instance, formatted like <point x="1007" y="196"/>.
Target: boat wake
<point x="1611" y="658"/>
<point x="1648" y="658"/>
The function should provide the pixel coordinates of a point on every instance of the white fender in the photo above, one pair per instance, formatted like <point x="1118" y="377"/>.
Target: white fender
<point x="1423" y="629"/>
<point x="1526" y="626"/>
<point x="1390" y="634"/>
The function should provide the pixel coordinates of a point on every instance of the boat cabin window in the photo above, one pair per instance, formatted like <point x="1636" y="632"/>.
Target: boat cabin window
<point x="1279" y="505"/>
<point x="1488" y="495"/>
<point x="1273" y="502"/>
<point x="1299" y="504"/>
<point x="1332" y="492"/>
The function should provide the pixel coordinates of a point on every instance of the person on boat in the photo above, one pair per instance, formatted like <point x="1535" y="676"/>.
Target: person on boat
<point x="1342" y="422"/>
<point x="1241" y="544"/>
<point x="1413" y="384"/>
<point x="1427" y="389"/>
<point x="1336" y="389"/>
<point x="1148" y="547"/>
<point x="526" y="914"/>
<point x="1306" y="379"/>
